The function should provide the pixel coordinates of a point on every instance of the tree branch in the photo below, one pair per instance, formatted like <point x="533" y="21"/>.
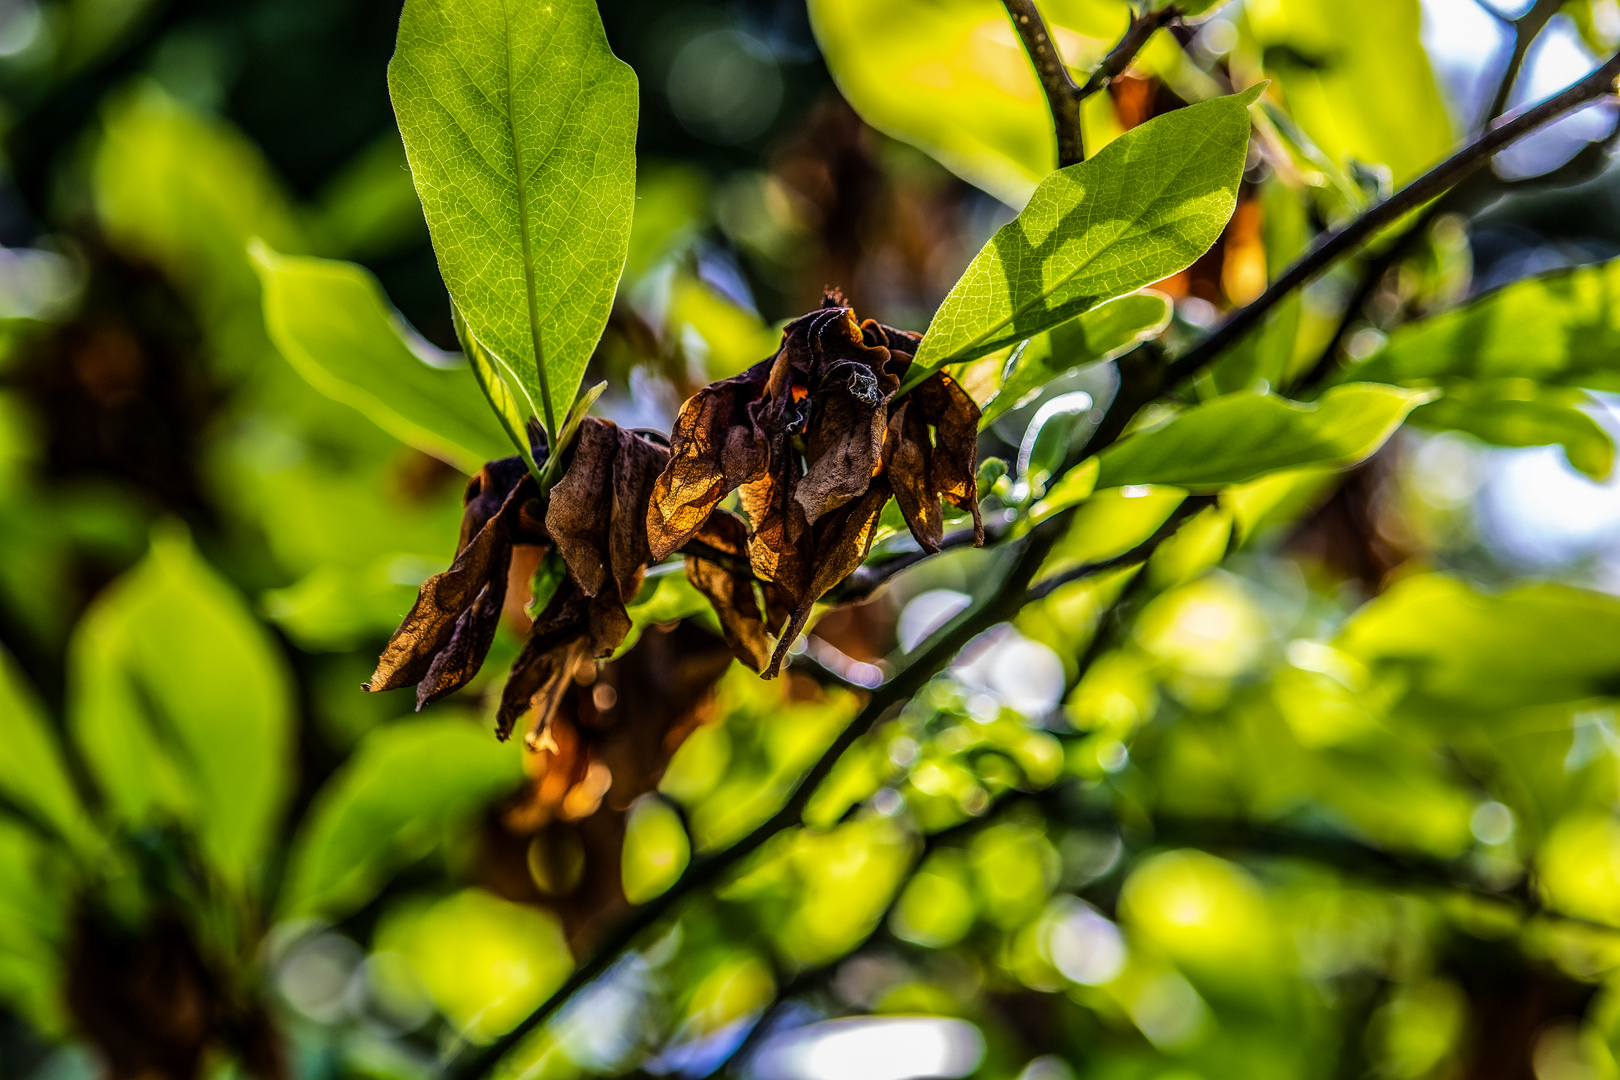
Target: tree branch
<point x="1525" y="29"/>
<point x="1428" y="186"/>
<point x="1119" y="58"/>
<point x="1190" y="506"/>
<point x="1062" y="95"/>
<point x="1003" y="600"/>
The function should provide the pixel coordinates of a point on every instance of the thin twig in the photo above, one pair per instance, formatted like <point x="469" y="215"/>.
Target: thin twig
<point x="1525" y="29"/>
<point x="867" y="579"/>
<point x="1431" y="184"/>
<point x="1062" y="95"/>
<point x="1190" y="506"/>
<point x="1119" y="58"/>
<point x="706" y="871"/>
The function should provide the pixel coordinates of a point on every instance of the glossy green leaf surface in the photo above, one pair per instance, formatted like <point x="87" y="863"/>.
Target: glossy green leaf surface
<point x="951" y="78"/>
<point x="406" y="783"/>
<point x="520" y="125"/>
<point x="1145" y="207"/>
<point x="1239" y="437"/>
<point x="1100" y="334"/>
<point x="333" y="323"/>
<point x="1561" y="328"/>
<point x="179" y="702"/>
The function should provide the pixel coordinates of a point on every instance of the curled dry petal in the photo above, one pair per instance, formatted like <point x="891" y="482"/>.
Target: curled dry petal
<point x="941" y="402"/>
<point x="729" y="586"/>
<point x="815" y="444"/>
<point x="597" y="517"/>
<point x="447" y="633"/>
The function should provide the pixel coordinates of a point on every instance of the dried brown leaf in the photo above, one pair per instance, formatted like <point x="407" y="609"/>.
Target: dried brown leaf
<point x="730" y="588"/>
<point x="455" y="608"/>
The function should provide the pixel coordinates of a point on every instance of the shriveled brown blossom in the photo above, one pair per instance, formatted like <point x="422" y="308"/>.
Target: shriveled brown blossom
<point x="809" y="438"/>
<point x="595" y="516"/>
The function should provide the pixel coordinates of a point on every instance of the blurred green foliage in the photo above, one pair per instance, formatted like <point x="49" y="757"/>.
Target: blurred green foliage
<point x="1325" y="786"/>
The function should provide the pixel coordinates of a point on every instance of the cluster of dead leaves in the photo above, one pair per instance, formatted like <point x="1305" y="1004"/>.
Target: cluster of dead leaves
<point x="815" y="443"/>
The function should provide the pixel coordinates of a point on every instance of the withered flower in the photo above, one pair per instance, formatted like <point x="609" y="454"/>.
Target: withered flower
<point x="595" y="516"/>
<point x="816" y="443"/>
<point x="443" y="641"/>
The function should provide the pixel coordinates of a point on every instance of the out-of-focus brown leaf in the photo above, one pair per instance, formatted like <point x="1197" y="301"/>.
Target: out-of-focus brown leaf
<point x="730" y="588"/>
<point x="614" y="731"/>
<point x="447" y="634"/>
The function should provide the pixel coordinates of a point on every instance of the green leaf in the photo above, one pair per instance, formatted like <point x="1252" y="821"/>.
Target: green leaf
<point x="1072" y="488"/>
<point x="1457" y="650"/>
<point x="1517" y="412"/>
<point x="656" y="850"/>
<point x="486" y="962"/>
<point x="390" y="803"/>
<point x="1357" y="78"/>
<point x="333" y="323"/>
<point x="1101" y="334"/>
<point x="33" y="776"/>
<point x="33" y="927"/>
<point x="1145" y="207"/>
<point x="1239" y="437"/>
<point x="950" y="77"/>
<point x="1561" y="328"/>
<point x="520" y="127"/>
<point x="180" y="705"/>
<point x="491" y="375"/>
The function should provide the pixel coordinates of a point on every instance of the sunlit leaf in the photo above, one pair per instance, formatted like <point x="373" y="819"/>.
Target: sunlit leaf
<point x="485" y="962"/>
<point x="1357" y="78"/>
<point x="1462" y="651"/>
<point x="1145" y="207"/>
<point x="952" y="79"/>
<point x="392" y="801"/>
<point x="33" y="775"/>
<point x="1100" y="334"/>
<point x="332" y="322"/>
<point x="520" y="127"/>
<point x="1561" y="328"/>
<point x="1517" y="412"/>
<point x="181" y="707"/>
<point x="33" y="927"/>
<point x="1239" y="437"/>
<point x="656" y="850"/>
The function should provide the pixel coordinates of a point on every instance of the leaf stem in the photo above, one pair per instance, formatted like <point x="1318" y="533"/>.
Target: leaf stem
<point x="1119" y="58"/>
<point x="1428" y="186"/>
